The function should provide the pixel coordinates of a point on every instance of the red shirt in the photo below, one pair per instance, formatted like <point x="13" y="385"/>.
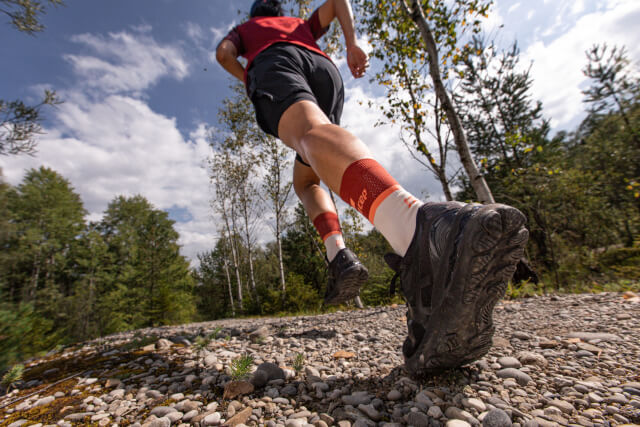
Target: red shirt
<point x="260" y="32"/>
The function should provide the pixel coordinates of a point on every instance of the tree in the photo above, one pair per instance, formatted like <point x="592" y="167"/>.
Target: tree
<point x="613" y="84"/>
<point x="149" y="272"/>
<point x="20" y="123"/>
<point x="501" y="120"/>
<point x="25" y="14"/>
<point x="277" y="189"/>
<point x="440" y="28"/>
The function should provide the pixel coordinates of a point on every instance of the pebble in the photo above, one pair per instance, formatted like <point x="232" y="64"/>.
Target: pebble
<point x="533" y="376"/>
<point x="496" y="418"/>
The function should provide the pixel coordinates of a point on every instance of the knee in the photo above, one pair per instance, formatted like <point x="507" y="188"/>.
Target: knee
<point x="302" y="185"/>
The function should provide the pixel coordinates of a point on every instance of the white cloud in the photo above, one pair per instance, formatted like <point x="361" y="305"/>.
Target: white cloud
<point x="557" y="64"/>
<point x="513" y="7"/>
<point x="125" y="62"/>
<point x="115" y="144"/>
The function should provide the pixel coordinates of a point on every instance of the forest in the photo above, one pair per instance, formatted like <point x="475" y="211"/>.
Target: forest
<point x="64" y="279"/>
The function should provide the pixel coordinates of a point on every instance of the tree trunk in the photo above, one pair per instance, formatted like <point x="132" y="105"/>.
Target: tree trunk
<point x="475" y="178"/>
<point x="226" y="270"/>
<point x="280" y="261"/>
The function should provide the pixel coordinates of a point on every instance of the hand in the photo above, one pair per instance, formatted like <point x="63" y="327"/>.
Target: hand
<point x="357" y="60"/>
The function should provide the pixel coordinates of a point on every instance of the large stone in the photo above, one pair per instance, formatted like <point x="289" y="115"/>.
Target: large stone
<point x="234" y="389"/>
<point x="522" y="378"/>
<point x="259" y="334"/>
<point x="496" y="418"/>
<point x="417" y="419"/>
<point x="161" y="411"/>
<point x="239" y="418"/>
<point x="509" y="362"/>
<point x="594" y="336"/>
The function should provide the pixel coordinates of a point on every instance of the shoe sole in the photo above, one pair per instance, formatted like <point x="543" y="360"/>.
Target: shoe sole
<point x="458" y="328"/>
<point x="348" y="286"/>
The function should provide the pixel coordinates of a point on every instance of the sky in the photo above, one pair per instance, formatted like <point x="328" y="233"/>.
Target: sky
<point x="141" y="89"/>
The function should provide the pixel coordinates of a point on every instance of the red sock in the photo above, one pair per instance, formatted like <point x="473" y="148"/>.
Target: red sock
<point x="365" y="184"/>
<point x="328" y="225"/>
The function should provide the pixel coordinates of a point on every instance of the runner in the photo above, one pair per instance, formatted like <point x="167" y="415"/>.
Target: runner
<point x="453" y="259"/>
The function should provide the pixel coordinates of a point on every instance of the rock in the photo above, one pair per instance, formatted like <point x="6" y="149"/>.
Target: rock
<point x="501" y="342"/>
<point x="237" y="388"/>
<point x="594" y="336"/>
<point x="435" y="412"/>
<point x="509" y="362"/>
<point x="112" y="382"/>
<point x="547" y="343"/>
<point x="457" y="423"/>
<point x="259" y="334"/>
<point x="210" y="360"/>
<point x="259" y="379"/>
<point x="474" y="403"/>
<point x="44" y="401"/>
<point x="522" y="378"/>
<point x="456" y="413"/>
<point x="341" y="354"/>
<point x="531" y="358"/>
<point x="163" y="344"/>
<point x="563" y="405"/>
<point x="496" y="418"/>
<point x="370" y="412"/>
<point x="394" y="395"/>
<point x="161" y="411"/>
<point x="417" y="419"/>
<point x="240" y="418"/>
<point x="357" y="398"/>
<point x="212" y="419"/>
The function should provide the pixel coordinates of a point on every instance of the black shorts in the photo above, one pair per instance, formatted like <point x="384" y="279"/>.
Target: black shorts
<point x="286" y="73"/>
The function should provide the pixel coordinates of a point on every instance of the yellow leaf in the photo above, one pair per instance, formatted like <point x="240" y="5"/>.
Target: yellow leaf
<point x="539" y="148"/>
<point x="637" y="194"/>
<point x="629" y="187"/>
<point x="528" y="149"/>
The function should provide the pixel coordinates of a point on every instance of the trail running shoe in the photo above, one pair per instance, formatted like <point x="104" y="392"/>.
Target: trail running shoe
<point x="453" y="274"/>
<point x="346" y="275"/>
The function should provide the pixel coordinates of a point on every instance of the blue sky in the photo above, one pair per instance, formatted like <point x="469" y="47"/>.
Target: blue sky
<point x="140" y="87"/>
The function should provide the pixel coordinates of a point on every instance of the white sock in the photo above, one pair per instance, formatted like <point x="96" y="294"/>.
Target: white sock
<point x="395" y="218"/>
<point x="334" y="244"/>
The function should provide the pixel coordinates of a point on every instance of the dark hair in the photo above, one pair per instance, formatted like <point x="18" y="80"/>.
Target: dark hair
<point x="266" y="8"/>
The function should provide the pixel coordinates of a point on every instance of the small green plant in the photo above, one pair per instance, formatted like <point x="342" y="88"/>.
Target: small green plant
<point x="214" y="334"/>
<point x="241" y="367"/>
<point x="227" y="338"/>
<point x="298" y="362"/>
<point x="12" y="376"/>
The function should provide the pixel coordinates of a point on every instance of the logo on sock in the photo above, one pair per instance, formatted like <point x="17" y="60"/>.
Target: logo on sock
<point x="361" y="200"/>
<point x="410" y="201"/>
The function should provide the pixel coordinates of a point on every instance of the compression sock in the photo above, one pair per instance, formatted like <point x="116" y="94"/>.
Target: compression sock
<point x="328" y="226"/>
<point x="369" y="188"/>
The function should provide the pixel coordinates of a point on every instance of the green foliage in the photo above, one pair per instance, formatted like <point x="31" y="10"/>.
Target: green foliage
<point x="241" y="367"/>
<point x="298" y="362"/>
<point x="19" y="122"/>
<point x="25" y="14"/>
<point x="16" y="327"/>
<point x="12" y="376"/>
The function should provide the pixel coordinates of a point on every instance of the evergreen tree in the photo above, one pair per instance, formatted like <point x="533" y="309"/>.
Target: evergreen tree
<point x="152" y="283"/>
<point x="47" y="217"/>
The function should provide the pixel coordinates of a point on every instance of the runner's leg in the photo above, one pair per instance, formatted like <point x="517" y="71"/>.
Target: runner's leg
<point x="319" y="208"/>
<point x="345" y="164"/>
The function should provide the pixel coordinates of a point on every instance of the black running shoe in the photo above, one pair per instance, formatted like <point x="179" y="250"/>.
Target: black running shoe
<point x="346" y="275"/>
<point x="453" y="274"/>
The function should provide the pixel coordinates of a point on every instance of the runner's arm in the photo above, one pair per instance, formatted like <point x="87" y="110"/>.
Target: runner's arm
<point x="341" y="9"/>
<point x="227" y="56"/>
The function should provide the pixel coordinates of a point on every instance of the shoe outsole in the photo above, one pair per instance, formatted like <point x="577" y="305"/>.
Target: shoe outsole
<point x="458" y="328"/>
<point x="349" y="284"/>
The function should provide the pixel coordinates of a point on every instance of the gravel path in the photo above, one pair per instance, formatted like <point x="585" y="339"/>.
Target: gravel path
<point x="558" y="360"/>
